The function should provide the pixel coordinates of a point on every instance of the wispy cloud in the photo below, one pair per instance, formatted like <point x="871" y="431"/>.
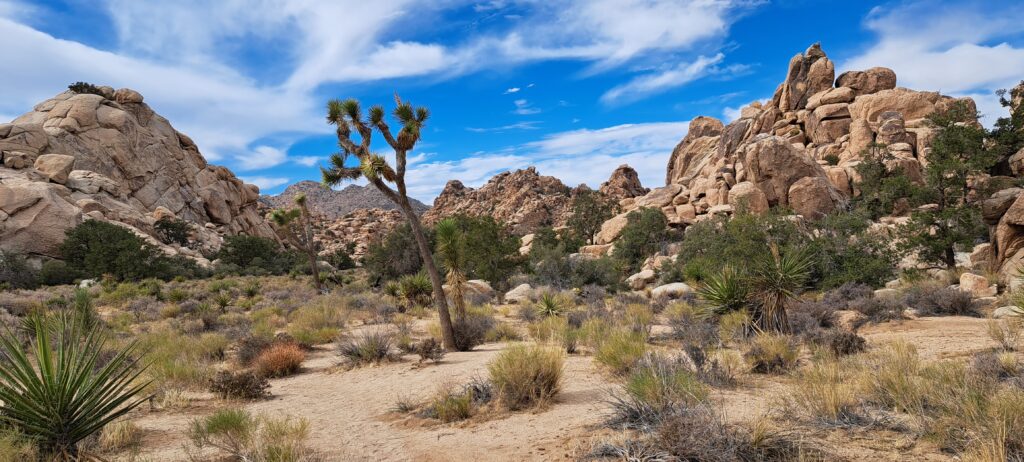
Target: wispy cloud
<point x="523" y="107"/>
<point x="656" y="82"/>
<point x="512" y="90"/>
<point x="531" y="125"/>
<point x="307" y="161"/>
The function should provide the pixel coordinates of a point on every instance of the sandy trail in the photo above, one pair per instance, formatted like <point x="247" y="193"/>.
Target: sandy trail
<point x="350" y="413"/>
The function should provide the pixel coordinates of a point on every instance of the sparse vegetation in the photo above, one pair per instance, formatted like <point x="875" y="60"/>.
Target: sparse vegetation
<point x="526" y="376"/>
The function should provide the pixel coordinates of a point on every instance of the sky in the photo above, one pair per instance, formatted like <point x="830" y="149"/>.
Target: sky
<point x="573" y="87"/>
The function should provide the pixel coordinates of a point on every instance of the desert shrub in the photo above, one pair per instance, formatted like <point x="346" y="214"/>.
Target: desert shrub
<point x="547" y="329"/>
<point x="503" y="332"/>
<point x="95" y="248"/>
<point x="85" y="88"/>
<point x="471" y="330"/>
<point x="944" y="301"/>
<point x="416" y="289"/>
<point x="878" y="309"/>
<point x="826" y="394"/>
<point x="692" y="325"/>
<point x="171" y="230"/>
<point x="725" y="291"/>
<point x="493" y="252"/>
<point x="243" y="436"/>
<point x="342" y="258"/>
<point x="735" y="326"/>
<point x="395" y="255"/>
<point x="450" y="404"/>
<point x="998" y="366"/>
<point x="369" y="347"/>
<point x="525" y="376"/>
<point x="429" y="349"/>
<point x="663" y="382"/>
<point x="1006" y="332"/>
<point x="772" y="354"/>
<point x="171" y="365"/>
<point x="280" y="360"/>
<point x="839" y="342"/>
<point x="620" y="350"/>
<point x="891" y="377"/>
<point x="119" y="436"/>
<point x="15" y="272"/>
<point x="239" y="385"/>
<point x="644" y="234"/>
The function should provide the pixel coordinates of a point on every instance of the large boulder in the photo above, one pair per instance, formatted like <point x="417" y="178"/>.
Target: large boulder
<point x="672" y="291"/>
<point x="774" y="165"/>
<point x="813" y="197"/>
<point x="976" y="285"/>
<point x="56" y="167"/>
<point x="521" y="294"/>
<point x="34" y="216"/>
<point x="611" y="229"/>
<point x="695" y="151"/>
<point x="809" y="72"/>
<point x="92" y="183"/>
<point x="867" y="82"/>
<point x="749" y="197"/>
<point x="623" y="184"/>
<point x="642" y="279"/>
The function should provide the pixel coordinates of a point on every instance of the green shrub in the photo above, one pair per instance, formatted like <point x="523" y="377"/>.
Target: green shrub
<point x="171" y="230"/>
<point x="243" y="254"/>
<point x="95" y="248"/>
<point x="341" y="259"/>
<point x="56" y="272"/>
<point x="644" y="234"/>
<point x="252" y="438"/>
<point x="621" y="350"/>
<point x="493" y="252"/>
<point x="369" y="347"/>
<point x="526" y="376"/>
<point x="663" y="382"/>
<point x="394" y="256"/>
<point x="85" y="88"/>
<point x="15" y="273"/>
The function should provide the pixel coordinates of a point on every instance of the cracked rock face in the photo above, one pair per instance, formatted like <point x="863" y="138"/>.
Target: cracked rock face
<point x="122" y="162"/>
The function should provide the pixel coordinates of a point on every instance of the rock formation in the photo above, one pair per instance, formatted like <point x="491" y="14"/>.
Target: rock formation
<point x="331" y="204"/>
<point x="1004" y="213"/>
<point x="798" y="150"/>
<point x="358" y="228"/>
<point x="525" y="200"/>
<point x="110" y="157"/>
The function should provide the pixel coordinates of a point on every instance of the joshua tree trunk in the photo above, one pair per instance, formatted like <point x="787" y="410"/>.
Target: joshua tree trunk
<point x="307" y="229"/>
<point x="440" y="302"/>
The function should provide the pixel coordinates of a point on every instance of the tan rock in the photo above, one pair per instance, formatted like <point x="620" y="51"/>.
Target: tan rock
<point x="90" y="182"/>
<point x="813" y="197"/>
<point x="127" y="96"/>
<point x="867" y="82"/>
<point x="596" y="250"/>
<point x="624" y="183"/>
<point x="911" y="104"/>
<point x="773" y="165"/>
<point x="746" y="196"/>
<point x="611" y="229"/>
<point x="977" y="285"/>
<point x="38" y="214"/>
<point x="55" y="167"/>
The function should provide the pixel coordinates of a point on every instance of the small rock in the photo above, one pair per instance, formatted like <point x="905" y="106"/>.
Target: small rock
<point x="1007" y="312"/>
<point x="672" y="291"/>
<point x="520" y="294"/>
<point x="640" y="280"/>
<point x="887" y="293"/>
<point x="55" y="167"/>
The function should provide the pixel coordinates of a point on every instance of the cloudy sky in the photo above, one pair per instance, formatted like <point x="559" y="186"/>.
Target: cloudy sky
<point x="573" y="87"/>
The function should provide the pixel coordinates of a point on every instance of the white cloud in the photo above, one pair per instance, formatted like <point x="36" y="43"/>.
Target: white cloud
<point x="956" y="49"/>
<point x="262" y="157"/>
<point x="730" y="114"/>
<point x="512" y="90"/>
<point x="523" y="107"/>
<point x="307" y="161"/>
<point x="648" y="84"/>
<point x="577" y="156"/>
<point x="264" y="182"/>
<point x="530" y="125"/>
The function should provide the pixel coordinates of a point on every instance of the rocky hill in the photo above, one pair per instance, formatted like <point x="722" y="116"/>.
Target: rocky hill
<point x="331" y="204"/>
<point x="524" y="199"/>
<point x="797" y="150"/>
<point x="110" y="157"/>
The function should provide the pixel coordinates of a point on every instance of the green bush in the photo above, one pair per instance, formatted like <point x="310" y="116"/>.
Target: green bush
<point x="56" y="272"/>
<point x="244" y="254"/>
<point x="341" y="259"/>
<point x="394" y="256"/>
<point x="95" y="248"/>
<point x="15" y="273"/>
<point x="644" y="234"/>
<point x="526" y="376"/>
<point x="85" y="88"/>
<point x="171" y="230"/>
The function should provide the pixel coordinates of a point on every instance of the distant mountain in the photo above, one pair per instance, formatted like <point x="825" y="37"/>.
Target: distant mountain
<point x="336" y="204"/>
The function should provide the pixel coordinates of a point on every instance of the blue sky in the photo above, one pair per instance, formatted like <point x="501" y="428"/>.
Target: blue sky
<point x="573" y="87"/>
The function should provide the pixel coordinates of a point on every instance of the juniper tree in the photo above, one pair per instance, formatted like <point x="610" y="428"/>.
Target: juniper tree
<point x="297" y="227"/>
<point x="348" y="116"/>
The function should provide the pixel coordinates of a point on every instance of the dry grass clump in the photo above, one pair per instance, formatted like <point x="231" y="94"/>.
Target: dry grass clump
<point x="1006" y="332"/>
<point x="661" y="381"/>
<point x="621" y="350"/>
<point x="772" y="354"/>
<point x="370" y="347"/>
<point x="891" y="379"/>
<point x="452" y="403"/>
<point x="280" y="360"/>
<point x="317" y="323"/>
<point x="118" y="436"/>
<point x="503" y="332"/>
<point x="242" y="436"/>
<point x="429" y="349"/>
<point x="526" y="376"/>
<point x="471" y="331"/>
<point x="826" y="393"/>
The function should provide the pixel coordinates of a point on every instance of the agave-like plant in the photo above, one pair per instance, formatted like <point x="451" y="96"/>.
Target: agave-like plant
<point x="725" y="291"/>
<point x="56" y="392"/>
<point x="551" y="304"/>
<point x="776" y="281"/>
<point x="415" y="288"/>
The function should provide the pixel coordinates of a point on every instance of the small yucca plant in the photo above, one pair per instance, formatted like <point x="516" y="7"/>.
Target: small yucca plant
<point x="416" y="289"/>
<point x="57" y="392"/>
<point x="725" y="291"/>
<point x="550" y="304"/>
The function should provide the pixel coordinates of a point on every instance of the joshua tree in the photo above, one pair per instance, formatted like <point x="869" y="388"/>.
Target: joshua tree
<point x="451" y="245"/>
<point x="348" y="116"/>
<point x="297" y="227"/>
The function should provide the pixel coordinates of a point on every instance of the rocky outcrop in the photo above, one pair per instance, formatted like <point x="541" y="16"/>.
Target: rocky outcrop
<point x="110" y="157"/>
<point x="331" y="204"/>
<point x="356" y="230"/>
<point x="1003" y="211"/>
<point x="797" y="150"/>
<point x="623" y="184"/>
<point x="525" y="200"/>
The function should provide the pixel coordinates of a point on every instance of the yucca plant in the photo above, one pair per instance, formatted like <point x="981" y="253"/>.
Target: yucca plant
<point x="415" y="289"/>
<point x="451" y="247"/>
<point x="550" y="304"/>
<point x="725" y="291"/>
<point x="57" y="392"/>
<point x="776" y="282"/>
